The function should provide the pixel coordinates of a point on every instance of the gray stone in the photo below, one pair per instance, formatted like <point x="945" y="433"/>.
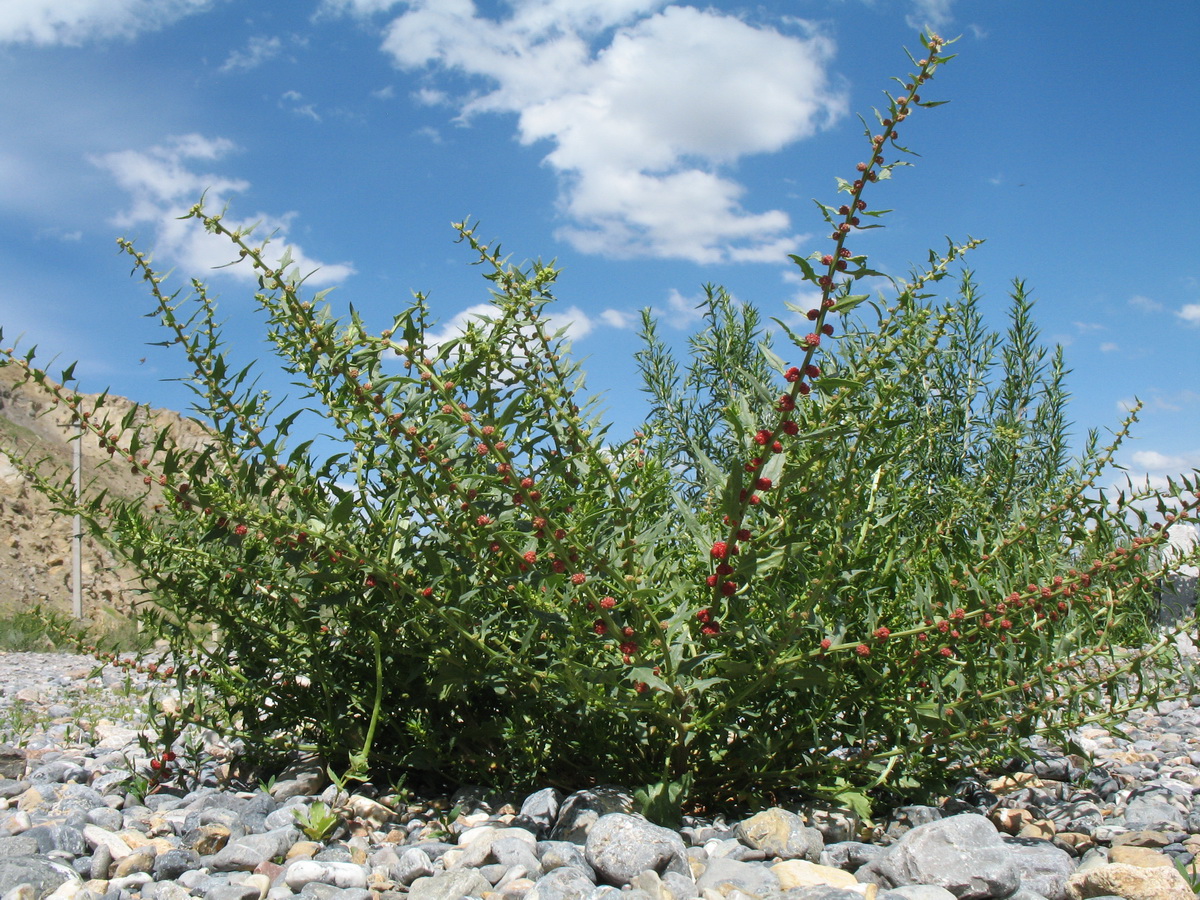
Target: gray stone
<point x="680" y="887"/>
<point x="449" y="886"/>
<point x="316" y="890"/>
<point x="916" y="892"/>
<point x="231" y="892"/>
<point x="849" y="855"/>
<point x="170" y="865"/>
<point x="1146" y="813"/>
<point x="725" y="875"/>
<point x="1044" y="867"/>
<point x="12" y="762"/>
<point x="58" y="837"/>
<point x="413" y="864"/>
<point x="10" y="789"/>
<point x="539" y="811"/>
<point x="169" y="890"/>
<point x="101" y="861"/>
<point x="779" y="833"/>
<point x="620" y="846"/>
<point x="553" y="854"/>
<point x="18" y="845"/>
<point x="60" y="771"/>
<point x="339" y="874"/>
<point x="906" y="818"/>
<point x="963" y="854"/>
<point x="564" y="883"/>
<point x="103" y="817"/>
<point x="583" y="808"/>
<point x="821" y="892"/>
<point x="247" y="853"/>
<point x="42" y="874"/>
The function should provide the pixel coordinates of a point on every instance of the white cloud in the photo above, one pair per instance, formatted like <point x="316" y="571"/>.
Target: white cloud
<point x="74" y="22"/>
<point x="638" y="128"/>
<point x="618" y="319"/>
<point x="933" y="14"/>
<point x="1190" y="313"/>
<point x="258" y="51"/>
<point x="1145" y="303"/>
<point x="292" y="100"/>
<point x="163" y="186"/>
<point x="1162" y="463"/>
<point x="1109" y="347"/>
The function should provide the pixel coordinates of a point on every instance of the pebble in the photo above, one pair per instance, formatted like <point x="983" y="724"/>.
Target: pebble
<point x="1059" y="828"/>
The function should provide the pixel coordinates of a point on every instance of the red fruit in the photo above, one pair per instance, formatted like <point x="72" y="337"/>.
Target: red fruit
<point x="607" y="602"/>
<point x="530" y="557"/>
<point x="826" y="643"/>
<point x="156" y="764"/>
<point x="169" y="756"/>
<point x="578" y="578"/>
<point x="719" y="550"/>
<point x="862" y="650"/>
<point x="728" y="588"/>
<point x="710" y="629"/>
<point x="791" y="374"/>
<point x="814" y="340"/>
<point x="599" y="627"/>
<point x="763" y="484"/>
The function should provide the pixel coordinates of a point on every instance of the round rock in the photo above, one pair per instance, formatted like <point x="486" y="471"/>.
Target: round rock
<point x="620" y="846"/>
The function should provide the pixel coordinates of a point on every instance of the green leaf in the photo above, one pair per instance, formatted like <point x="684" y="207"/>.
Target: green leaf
<point x="845" y="304"/>
<point x="805" y="267"/>
<point x="828" y="385"/>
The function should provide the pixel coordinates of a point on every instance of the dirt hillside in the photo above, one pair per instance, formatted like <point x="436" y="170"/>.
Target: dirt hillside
<point x="35" y="541"/>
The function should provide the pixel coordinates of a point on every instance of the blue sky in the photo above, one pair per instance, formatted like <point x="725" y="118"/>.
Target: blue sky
<point x="649" y="147"/>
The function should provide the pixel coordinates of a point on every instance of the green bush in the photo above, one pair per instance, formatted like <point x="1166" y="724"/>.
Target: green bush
<point x="843" y="567"/>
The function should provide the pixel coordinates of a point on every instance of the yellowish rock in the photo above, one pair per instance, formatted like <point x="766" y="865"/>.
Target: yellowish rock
<point x="1145" y="857"/>
<point x="1006" y="784"/>
<point x="1011" y="821"/>
<point x="1077" y="841"/>
<point x="1041" y="829"/>
<point x="802" y="873"/>
<point x="259" y="881"/>
<point x="140" y="860"/>
<point x="1129" y="882"/>
<point x="303" y="850"/>
<point x="212" y="838"/>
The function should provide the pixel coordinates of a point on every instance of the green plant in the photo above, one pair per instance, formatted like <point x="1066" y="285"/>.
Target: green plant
<point x="317" y="820"/>
<point x="846" y="567"/>
<point x="1189" y="875"/>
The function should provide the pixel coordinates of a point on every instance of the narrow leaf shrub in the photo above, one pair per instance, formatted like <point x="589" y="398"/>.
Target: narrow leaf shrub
<point x="849" y="553"/>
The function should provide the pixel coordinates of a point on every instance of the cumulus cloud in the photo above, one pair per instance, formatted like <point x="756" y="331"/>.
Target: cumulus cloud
<point x="1190" y="313"/>
<point x="933" y="14"/>
<point x="1145" y="303"/>
<point x="73" y="22"/>
<point x="1164" y="463"/>
<point x="643" y="110"/>
<point x="258" y="51"/>
<point x="163" y="184"/>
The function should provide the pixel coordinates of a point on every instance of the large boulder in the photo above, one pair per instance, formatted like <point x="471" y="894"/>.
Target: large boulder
<point x="963" y="854"/>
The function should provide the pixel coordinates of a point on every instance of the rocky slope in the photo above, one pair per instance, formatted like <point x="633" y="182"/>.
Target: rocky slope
<point x="35" y="540"/>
